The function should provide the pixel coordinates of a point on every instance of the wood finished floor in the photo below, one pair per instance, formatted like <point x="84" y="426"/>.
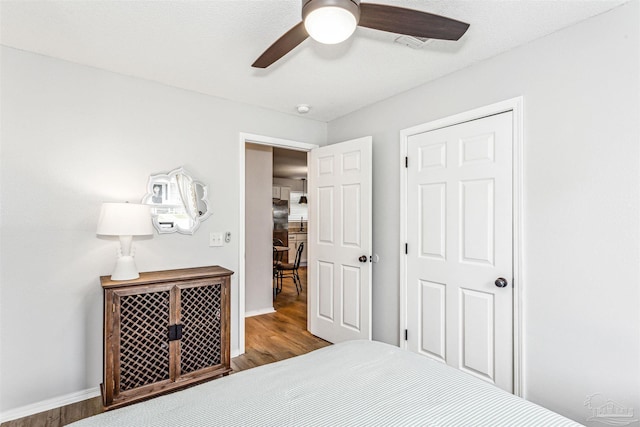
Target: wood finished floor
<point x="268" y="338"/>
<point x="280" y="335"/>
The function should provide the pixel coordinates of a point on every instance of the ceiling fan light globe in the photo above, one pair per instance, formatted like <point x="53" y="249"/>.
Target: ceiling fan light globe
<point x="330" y="24"/>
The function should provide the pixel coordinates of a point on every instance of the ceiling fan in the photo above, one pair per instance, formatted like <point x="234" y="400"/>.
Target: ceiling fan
<point x="333" y="21"/>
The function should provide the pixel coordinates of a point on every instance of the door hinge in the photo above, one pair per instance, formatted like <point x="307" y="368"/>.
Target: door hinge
<point x="113" y="308"/>
<point x="406" y="249"/>
<point x="406" y="335"/>
<point x="406" y="162"/>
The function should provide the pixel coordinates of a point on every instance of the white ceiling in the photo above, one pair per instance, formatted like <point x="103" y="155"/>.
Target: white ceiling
<point x="209" y="46"/>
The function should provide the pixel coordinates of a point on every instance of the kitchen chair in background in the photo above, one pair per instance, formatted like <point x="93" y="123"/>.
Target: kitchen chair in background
<point x="277" y="261"/>
<point x="291" y="270"/>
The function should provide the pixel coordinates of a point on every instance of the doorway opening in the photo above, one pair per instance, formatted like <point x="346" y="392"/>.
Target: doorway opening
<point x="290" y="207"/>
<point x="268" y="144"/>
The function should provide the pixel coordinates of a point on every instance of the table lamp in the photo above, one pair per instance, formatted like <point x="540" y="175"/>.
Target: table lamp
<point x="125" y="220"/>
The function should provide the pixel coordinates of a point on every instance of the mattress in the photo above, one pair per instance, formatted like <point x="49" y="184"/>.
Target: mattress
<point x="356" y="383"/>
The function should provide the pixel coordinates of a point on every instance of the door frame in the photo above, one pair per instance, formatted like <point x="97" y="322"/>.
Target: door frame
<point x="516" y="105"/>
<point x="245" y="138"/>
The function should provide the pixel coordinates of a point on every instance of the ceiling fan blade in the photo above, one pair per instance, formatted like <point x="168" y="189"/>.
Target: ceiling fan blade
<point x="410" y="22"/>
<point x="282" y="46"/>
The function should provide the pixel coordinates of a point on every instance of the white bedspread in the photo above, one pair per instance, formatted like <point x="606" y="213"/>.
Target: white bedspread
<point x="357" y="383"/>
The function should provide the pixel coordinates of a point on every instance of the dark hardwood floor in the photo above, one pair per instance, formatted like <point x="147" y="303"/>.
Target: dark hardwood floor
<point x="268" y="338"/>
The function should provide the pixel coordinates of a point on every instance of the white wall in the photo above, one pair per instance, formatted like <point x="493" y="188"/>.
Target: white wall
<point x="581" y="201"/>
<point x="258" y="229"/>
<point x="73" y="137"/>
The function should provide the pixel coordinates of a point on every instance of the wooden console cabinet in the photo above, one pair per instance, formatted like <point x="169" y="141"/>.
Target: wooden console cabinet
<point x="163" y="331"/>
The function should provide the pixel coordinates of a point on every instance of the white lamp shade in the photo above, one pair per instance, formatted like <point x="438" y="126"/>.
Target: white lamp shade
<point x="330" y="24"/>
<point x="125" y="219"/>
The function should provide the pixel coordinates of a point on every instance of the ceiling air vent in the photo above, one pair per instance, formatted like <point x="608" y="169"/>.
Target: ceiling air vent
<point x="412" y="42"/>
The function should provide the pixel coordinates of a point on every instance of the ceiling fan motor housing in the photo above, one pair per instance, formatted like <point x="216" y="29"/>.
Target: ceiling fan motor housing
<point x="352" y="6"/>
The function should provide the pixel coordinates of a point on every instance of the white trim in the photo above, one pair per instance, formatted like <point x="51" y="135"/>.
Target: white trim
<point x="402" y="297"/>
<point x="277" y="142"/>
<point x="518" y="245"/>
<point x="261" y="140"/>
<point x="516" y="105"/>
<point x="241" y="249"/>
<point x="259" y="312"/>
<point x="47" y="405"/>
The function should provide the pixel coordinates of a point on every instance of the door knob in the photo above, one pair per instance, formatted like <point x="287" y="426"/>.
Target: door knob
<point x="363" y="258"/>
<point x="501" y="283"/>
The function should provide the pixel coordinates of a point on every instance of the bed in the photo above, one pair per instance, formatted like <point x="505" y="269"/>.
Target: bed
<point x="356" y="383"/>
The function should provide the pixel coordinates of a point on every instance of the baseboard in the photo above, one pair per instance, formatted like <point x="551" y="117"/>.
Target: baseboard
<point x="79" y="396"/>
<point x="259" y="312"/>
<point x="46" y="405"/>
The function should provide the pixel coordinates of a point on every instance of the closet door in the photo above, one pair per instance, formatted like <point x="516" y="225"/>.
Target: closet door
<point x="460" y="247"/>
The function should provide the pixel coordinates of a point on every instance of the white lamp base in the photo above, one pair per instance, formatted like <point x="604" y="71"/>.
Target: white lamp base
<point x="125" y="269"/>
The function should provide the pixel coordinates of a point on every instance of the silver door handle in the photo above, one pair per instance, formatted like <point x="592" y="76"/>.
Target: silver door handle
<point x="501" y="282"/>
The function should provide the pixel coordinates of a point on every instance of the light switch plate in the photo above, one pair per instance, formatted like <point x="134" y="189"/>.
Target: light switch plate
<point x="216" y="239"/>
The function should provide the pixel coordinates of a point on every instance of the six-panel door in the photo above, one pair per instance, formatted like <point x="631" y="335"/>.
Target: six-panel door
<point x="459" y="223"/>
<point x="339" y="238"/>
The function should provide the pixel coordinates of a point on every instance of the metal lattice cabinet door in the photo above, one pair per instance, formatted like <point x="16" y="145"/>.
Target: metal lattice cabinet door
<point x="201" y="317"/>
<point x="144" y="351"/>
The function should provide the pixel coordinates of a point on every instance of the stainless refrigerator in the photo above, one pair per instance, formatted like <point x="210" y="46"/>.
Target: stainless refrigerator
<point x="281" y="222"/>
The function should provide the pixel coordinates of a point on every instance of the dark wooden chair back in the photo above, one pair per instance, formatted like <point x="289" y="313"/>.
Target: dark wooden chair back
<point x="296" y="263"/>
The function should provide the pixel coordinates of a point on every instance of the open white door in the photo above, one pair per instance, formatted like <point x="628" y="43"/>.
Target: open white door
<point x="339" y="267"/>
